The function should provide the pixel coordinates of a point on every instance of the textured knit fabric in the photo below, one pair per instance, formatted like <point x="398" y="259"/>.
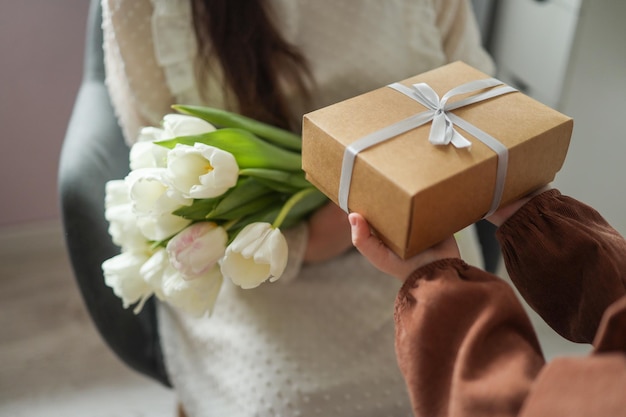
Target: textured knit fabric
<point x="320" y="340"/>
<point x="150" y="49"/>
<point x="466" y="347"/>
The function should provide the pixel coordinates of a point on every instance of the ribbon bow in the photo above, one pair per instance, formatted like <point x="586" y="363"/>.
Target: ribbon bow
<point x="442" y="131"/>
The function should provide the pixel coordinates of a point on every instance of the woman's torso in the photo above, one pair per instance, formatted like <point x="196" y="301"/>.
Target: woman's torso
<point x="322" y="342"/>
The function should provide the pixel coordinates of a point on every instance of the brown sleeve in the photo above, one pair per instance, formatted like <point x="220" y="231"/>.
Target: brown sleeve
<point x="464" y="343"/>
<point x="586" y="386"/>
<point x="566" y="261"/>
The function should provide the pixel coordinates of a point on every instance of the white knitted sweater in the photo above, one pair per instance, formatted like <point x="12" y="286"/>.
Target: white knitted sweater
<point x="320" y="341"/>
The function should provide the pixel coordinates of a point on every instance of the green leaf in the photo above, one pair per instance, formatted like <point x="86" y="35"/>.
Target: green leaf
<point x="291" y="181"/>
<point x="310" y="201"/>
<point x="225" y="118"/>
<point x="252" y="207"/>
<point x="249" y="151"/>
<point x="198" y="209"/>
<point x="281" y="181"/>
<point x="247" y="190"/>
<point x="279" y="187"/>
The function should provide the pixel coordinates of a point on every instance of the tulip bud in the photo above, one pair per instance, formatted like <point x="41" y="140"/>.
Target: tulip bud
<point x="121" y="273"/>
<point x="175" y="125"/>
<point x="197" y="296"/>
<point x="197" y="248"/>
<point x="258" y="253"/>
<point x="201" y="171"/>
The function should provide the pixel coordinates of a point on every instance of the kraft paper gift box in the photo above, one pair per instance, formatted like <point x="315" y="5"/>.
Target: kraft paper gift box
<point x="414" y="193"/>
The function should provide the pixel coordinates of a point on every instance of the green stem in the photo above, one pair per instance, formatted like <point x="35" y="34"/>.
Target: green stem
<point x="230" y="224"/>
<point x="289" y="204"/>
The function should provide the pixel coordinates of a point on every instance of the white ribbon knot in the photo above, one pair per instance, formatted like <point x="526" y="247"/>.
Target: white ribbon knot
<point x="442" y="131"/>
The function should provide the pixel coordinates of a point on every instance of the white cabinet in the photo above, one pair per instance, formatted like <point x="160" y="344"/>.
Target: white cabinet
<point x="531" y="44"/>
<point x="584" y="76"/>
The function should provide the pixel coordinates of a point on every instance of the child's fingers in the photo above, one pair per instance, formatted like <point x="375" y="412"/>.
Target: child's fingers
<point x="360" y="229"/>
<point x="362" y="237"/>
<point x="386" y="260"/>
<point x="371" y="247"/>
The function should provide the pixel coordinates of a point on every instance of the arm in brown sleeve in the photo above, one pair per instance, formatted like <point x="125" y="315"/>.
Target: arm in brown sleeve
<point x="567" y="262"/>
<point x="570" y="265"/>
<point x="466" y="347"/>
<point x="586" y="386"/>
<point x="464" y="343"/>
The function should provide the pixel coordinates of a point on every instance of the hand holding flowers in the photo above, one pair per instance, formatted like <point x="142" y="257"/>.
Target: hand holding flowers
<point x="202" y="204"/>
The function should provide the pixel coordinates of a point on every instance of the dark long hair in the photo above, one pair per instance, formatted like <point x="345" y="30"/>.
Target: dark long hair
<point x="257" y="63"/>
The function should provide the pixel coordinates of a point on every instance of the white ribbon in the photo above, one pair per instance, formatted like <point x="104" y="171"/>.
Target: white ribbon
<point x="442" y="131"/>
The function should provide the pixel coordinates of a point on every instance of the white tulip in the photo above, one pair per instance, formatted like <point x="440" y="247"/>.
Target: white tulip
<point x="122" y="222"/>
<point x="153" y="269"/>
<point x="150" y="193"/>
<point x="196" y="297"/>
<point x="141" y="156"/>
<point x="124" y="230"/>
<point x="150" y="134"/>
<point x="161" y="227"/>
<point x="201" y="171"/>
<point x="258" y="253"/>
<point x="116" y="193"/>
<point x="197" y="248"/>
<point x="146" y="154"/>
<point x="121" y="273"/>
<point x="175" y="125"/>
<point x="153" y="203"/>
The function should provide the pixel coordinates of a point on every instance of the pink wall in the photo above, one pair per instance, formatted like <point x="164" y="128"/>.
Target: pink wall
<point x="41" y="55"/>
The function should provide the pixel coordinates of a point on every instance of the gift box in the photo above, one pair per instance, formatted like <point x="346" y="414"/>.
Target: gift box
<point x="423" y="158"/>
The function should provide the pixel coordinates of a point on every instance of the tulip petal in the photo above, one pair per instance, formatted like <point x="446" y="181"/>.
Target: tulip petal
<point x="152" y="272"/>
<point x="258" y="253"/>
<point x="161" y="227"/>
<point x="196" y="297"/>
<point x="116" y="193"/>
<point x="201" y="171"/>
<point x="197" y="248"/>
<point x="121" y="273"/>
<point x="244" y="272"/>
<point x="250" y="238"/>
<point x="175" y="125"/>
<point x="278" y="252"/>
<point x="151" y="194"/>
<point x="123" y="228"/>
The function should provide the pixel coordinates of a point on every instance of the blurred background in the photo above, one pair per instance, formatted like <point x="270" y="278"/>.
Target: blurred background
<point x="569" y="54"/>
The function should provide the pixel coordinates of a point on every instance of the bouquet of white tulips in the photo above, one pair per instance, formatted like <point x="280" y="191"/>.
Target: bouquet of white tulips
<point x="206" y="198"/>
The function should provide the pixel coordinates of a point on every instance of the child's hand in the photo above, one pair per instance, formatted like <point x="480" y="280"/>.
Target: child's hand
<point x="384" y="259"/>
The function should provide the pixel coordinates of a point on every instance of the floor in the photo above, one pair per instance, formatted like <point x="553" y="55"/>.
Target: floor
<point x="52" y="361"/>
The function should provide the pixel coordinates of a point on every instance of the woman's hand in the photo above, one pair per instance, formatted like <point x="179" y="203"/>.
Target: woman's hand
<point x="388" y="262"/>
<point x="329" y="234"/>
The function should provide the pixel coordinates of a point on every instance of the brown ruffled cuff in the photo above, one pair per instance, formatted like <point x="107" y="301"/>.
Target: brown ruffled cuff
<point x="566" y="261"/>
